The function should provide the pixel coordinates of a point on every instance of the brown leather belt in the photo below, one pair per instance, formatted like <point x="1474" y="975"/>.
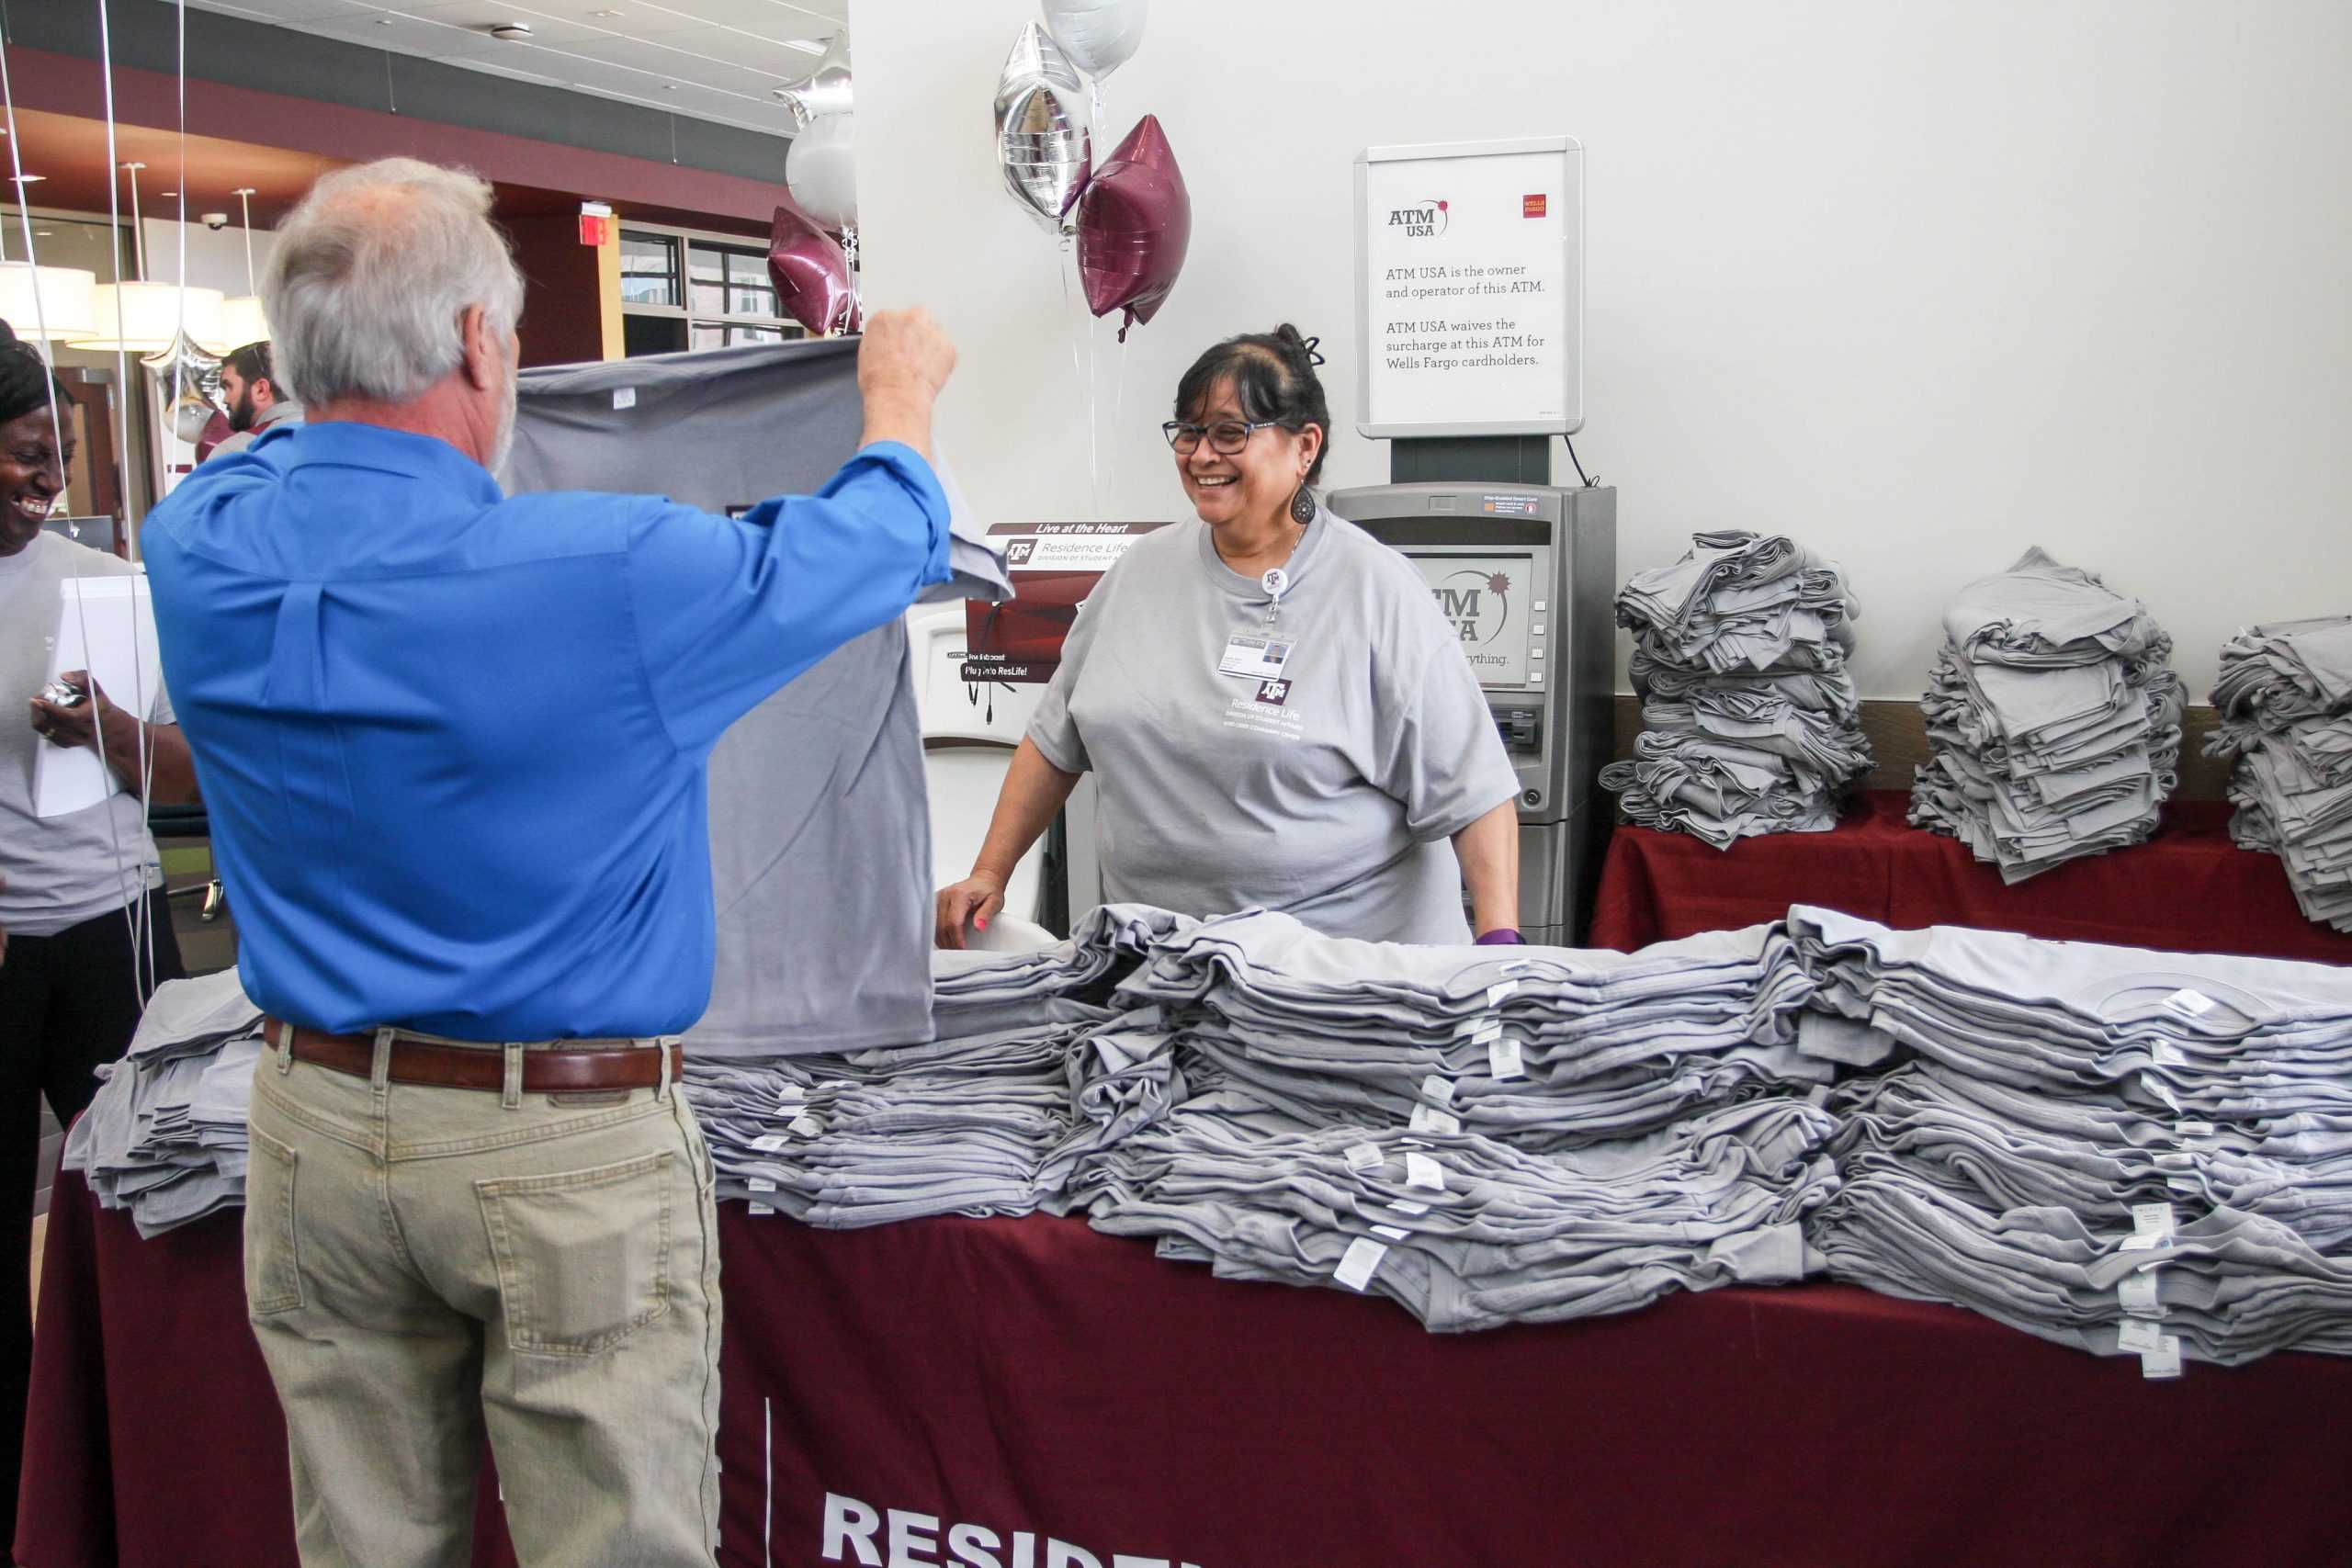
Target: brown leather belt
<point x="545" y="1069"/>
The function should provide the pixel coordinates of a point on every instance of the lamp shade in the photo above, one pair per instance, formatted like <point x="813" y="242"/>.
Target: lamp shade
<point x="61" y="311"/>
<point x="139" y="318"/>
<point x="241" y="323"/>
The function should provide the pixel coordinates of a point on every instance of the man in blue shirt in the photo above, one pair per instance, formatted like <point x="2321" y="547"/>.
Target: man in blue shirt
<point x="453" y="747"/>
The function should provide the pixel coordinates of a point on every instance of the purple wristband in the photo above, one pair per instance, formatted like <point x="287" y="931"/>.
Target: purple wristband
<point x="1502" y="936"/>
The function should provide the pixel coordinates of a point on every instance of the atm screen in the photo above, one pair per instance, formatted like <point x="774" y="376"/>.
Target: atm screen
<point x="1488" y="601"/>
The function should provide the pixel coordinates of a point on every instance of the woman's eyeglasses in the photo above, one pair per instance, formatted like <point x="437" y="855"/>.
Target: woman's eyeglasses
<point x="1226" y="436"/>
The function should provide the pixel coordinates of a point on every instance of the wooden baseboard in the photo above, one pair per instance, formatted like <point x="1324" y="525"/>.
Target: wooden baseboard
<point x="1898" y="736"/>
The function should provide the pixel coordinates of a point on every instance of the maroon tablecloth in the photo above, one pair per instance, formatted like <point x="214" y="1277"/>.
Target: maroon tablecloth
<point x="2188" y="890"/>
<point x="1037" y="1381"/>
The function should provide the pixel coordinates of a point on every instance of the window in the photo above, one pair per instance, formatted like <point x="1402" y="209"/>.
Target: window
<point x="649" y="269"/>
<point x="683" y="289"/>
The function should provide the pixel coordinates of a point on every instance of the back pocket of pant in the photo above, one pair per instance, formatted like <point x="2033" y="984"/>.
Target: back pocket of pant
<point x="583" y="1256"/>
<point x="273" y="1253"/>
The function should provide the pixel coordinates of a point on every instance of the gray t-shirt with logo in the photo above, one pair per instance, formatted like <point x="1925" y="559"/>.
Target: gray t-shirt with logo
<point x="1326" y="790"/>
<point x="61" y="870"/>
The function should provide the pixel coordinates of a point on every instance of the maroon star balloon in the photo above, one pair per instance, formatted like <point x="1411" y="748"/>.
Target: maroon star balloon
<point x="1134" y="225"/>
<point x="812" y="273"/>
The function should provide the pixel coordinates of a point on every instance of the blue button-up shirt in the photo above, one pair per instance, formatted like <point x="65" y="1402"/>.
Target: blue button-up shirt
<point x="453" y="742"/>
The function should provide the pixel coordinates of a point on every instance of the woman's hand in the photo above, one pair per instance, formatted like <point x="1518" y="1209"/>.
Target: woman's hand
<point x="977" y="898"/>
<point x="78" y="725"/>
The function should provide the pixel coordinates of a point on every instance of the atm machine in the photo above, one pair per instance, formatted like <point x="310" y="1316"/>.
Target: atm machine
<point x="1470" y="362"/>
<point x="1526" y="574"/>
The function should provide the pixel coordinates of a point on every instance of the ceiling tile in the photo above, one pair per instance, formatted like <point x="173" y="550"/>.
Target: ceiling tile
<point x="723" y="57"/>
<point x="278" y="11"/>
<point x="771" y="58"/>
<point x="659" y="64"/>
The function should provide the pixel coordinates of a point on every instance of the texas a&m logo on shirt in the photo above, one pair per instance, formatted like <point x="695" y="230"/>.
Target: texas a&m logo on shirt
<point x="1273" y="692"/>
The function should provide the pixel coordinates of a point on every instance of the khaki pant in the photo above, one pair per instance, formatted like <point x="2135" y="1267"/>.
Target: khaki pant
<point x="425" y="1266"/>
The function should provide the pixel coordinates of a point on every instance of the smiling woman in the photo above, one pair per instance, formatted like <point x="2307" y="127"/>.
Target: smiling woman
<point x="83" y="933"/>
<point x="1275" y="713"/>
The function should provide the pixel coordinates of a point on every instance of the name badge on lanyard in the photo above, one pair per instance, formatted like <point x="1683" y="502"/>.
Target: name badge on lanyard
<point x="1260" y="658"/>
<point x="1254" y="658"/>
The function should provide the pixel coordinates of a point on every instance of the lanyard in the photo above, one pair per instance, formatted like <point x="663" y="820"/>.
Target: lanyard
<point x="1276" y="581"/>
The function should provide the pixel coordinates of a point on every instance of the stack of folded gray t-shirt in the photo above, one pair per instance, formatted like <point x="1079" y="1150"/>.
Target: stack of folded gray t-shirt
<point x="2285" y="696"/>
<point x="2115" y="1149"/>
<point x="2054" y="720"/>
<point x="1484" y="1136"/>
<point x="1033" y="1066"/>
<point x="164" y="1137"/>
<point x="1750" y="723"/>
<point x="1465" y="1231"/>
<point x="1546" y="1048"/>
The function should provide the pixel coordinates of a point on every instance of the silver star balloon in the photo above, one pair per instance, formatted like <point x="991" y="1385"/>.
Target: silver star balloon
<point x="1043" y="144"/>
<point x="826" y="90"/>
<point x="198" y="389"/>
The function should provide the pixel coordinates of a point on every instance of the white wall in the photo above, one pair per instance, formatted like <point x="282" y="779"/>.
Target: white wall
<point x="1920" y="283"/>
<point x="216" y="258"/>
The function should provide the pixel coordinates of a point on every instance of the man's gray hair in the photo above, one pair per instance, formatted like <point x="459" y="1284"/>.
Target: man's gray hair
<point x="367" y="290"/>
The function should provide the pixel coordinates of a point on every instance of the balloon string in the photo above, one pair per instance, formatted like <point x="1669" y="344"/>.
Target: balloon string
<point x="1119" y="411"/>
<point x="1093" y="406"/>
<point x="1077" y="370"/>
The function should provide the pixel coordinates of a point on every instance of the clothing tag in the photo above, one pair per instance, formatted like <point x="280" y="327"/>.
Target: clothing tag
<point x="624" y="397"/>
<point x="2140" y="1241"/>
<point x="762" y="1184"/>
<point x="2152" y="1218"/>
<point x="2186" y="1185"/>
<point x="2137" y="1293"/>
<point x="1407" y="1207"/>
<point x="1503" y="1059"/>
<point x="2178" y="1159"/>
<point x="1390" y="1232"/>
<point x="2164" y="1362"/>
<point x="1469" y="1027"/>
<point x="791" y="1097"/>
<point x="768" y="1143"/>
<point x="1364" y="1158"/>
<point x="1363" y="1255"/>
<point x="1498" y="991"/>
<point x="808" y="1126"/>
<point x="1430" y="1119"/>
<point x="764" y="1208"/>
<point x="2138" y="1337"/>
<point x="2161" y="1089"/>
<point x="2189" y="1004"/>
<point x="2168" y="1055"/>
<point x="1422" y="1171"/>
<point x="1516" y="965"/>
<point x="1253" y="658"/>
<point x="1438" y="1090"/>
<point x="1414" y="1142"/>
<point x="2193" y="1129"/>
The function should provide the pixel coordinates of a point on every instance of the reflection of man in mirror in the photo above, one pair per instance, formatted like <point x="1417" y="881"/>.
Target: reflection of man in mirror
<point x="257" y="403"/>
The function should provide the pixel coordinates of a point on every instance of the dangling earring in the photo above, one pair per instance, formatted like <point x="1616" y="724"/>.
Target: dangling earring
<point x="1301" y="507"/>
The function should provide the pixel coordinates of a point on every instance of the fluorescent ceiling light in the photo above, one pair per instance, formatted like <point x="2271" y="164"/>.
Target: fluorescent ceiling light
<point x="142" y="318"/>
<point x="65" y="309"/>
